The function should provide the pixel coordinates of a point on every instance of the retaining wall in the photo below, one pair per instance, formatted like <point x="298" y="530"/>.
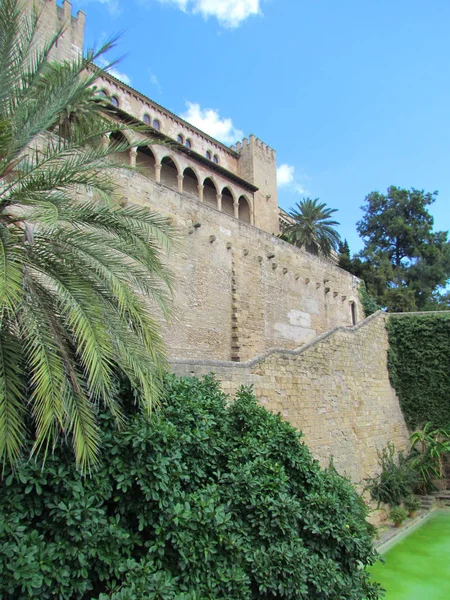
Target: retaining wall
<point x="335" y="389"/>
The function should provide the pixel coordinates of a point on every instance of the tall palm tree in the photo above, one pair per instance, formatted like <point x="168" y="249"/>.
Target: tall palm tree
<point x="77" y="271"/>
<point x="313" y="227"/>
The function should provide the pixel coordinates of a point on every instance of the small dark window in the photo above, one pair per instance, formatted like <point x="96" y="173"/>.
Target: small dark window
<point x="216" y="159"/>
<point x="353" y="312"/>
<point x="104" y="93"/>
<point x="115" y="101"/>
<point x="208" y="155"/>
<point x="180" y="139"/>
<point x="156" y="124"/>
<point x="188" y="143"/>
<point x="147" y="119"/>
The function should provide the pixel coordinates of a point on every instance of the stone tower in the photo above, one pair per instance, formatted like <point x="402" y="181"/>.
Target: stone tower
<point x="258" y="165"/>
<point x="52" y="19"/>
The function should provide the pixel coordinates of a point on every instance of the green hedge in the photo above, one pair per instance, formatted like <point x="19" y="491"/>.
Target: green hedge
<point x="419" y="367"/>
<point x="208" y="500"/>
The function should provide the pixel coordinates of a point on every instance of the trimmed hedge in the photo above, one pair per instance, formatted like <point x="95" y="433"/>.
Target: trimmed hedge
<point x="207" y="500"/>
<point x="419" y="367"/>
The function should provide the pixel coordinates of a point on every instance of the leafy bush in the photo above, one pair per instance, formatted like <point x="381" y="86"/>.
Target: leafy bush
<point x="412" y="504"/>
<point x="206" y="500"/>
<point x="398" y="515"/>
<point x="396" y="480"/>
<point x="428" y="447"/>
<point x="419" y="367"/>
<point x="368" y="302"/>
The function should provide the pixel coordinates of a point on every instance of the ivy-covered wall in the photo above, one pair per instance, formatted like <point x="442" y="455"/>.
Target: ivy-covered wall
<point x="419" y="366"/>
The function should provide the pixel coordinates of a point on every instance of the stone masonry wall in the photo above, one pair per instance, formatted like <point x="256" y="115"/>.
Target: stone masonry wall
<point x="258" y="164"/>
<point x="238" y="290"/>
<point x="335" y="389"/>
<point x="53" y="18"/>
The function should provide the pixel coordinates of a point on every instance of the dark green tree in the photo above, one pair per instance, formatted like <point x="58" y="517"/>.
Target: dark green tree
<point x="404" y="262"/>
<point x="345" y="260"/>
<point x="313" y="227"/>
<point x="440" y="300"/>
<point x="209" y="499"/>
<point x="344" y="248"/>
<point x="355" y="266"/>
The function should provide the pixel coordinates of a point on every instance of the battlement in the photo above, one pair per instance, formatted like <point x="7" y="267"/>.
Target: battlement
<point x="63" y="11"/>
<point x="52" y="18"/>
<point x="258" y="164"/>
<point x="254" y="142"/>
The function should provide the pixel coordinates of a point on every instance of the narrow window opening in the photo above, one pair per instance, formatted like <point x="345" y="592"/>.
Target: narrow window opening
<point x="353" y="312"/>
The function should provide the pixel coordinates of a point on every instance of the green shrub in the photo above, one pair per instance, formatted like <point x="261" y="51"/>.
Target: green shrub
<point x="207" y="500"/>
<point x="396" y="479"/>
<point x="412" y="503"/>
<point x="428" y="447"/>
<point x="419" y="367"/>
<point x="398" y="515"/>
<point x="368" y="302"/>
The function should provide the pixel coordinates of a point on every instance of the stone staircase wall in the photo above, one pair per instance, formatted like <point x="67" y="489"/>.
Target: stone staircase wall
<point x="335" y="389"/>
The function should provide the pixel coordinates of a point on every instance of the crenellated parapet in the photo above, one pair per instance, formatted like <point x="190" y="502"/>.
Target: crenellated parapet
<point x="258" y="164"/>
<point x="53" y="18"/>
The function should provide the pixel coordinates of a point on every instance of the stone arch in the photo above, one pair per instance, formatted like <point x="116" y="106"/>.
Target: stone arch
<point x="116" y="139"/>
<point x="169" y="172"/>
<point x="173" y="157"/>
<point x="210" y="192"/>
<point x="145" y="162"/>
<point x="190" y="181"/>
<point x="244" y="209"/>
<point x="227" y="201"/>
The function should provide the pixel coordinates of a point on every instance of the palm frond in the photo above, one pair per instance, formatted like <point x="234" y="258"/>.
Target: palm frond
<point x="11" y="270"/>
<point x="81" y="278"/>
<point x="313" y="227"/>
<point x="12" y="411"/>
<point x="42" y="340"/>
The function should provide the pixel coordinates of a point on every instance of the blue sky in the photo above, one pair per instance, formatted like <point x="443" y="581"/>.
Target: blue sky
<point x="353" y="95"/>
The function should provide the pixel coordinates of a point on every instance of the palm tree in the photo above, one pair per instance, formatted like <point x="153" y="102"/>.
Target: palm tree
<point x="78" y="272"/>
<point x="313" y="227"/>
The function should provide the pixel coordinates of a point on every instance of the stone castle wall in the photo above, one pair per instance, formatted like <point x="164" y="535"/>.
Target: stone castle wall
<point x="239" y="290"/>
<point x="53" y="19"/>
<point x="336" y="390"/>
<point x="257" y="163"/>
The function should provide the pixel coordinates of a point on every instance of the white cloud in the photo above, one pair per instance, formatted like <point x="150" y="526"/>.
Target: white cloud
<point x="301" y="188"/>
<point x="102" y="63"/>
<point x="155" y="81"/>
<point x="230" y="13"/>
<point x="209" y="121"/>
<point x="287" y="177"/>
<point x="121" y="76"/>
